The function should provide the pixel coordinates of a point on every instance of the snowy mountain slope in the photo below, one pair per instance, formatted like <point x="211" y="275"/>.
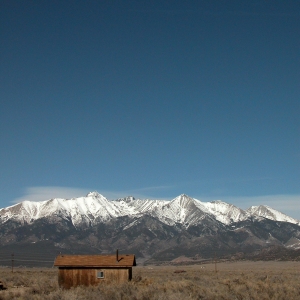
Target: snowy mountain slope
<point x="225" y="212"/>
<point x="90" y="209"/>
<point x="95" y="208"/>
<point x="157" y="229"/>
<point x="270" y="213"/>
<point x="139" y="205"/>
<point x="183" y="209"/>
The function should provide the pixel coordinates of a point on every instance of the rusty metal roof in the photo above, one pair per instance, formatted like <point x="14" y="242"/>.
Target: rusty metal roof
<point x="124" y="260"/>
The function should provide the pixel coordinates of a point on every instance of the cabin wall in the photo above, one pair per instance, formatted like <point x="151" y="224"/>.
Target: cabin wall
<point x="71" y="277"/>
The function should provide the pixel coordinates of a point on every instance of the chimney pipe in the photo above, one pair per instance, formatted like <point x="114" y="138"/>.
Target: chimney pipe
<point x="117" y="255"/>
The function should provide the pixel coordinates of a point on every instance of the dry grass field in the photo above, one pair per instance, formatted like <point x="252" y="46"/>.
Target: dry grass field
<point x="233" y="280"/>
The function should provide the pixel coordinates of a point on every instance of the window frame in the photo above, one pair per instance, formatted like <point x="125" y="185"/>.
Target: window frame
<point x="100" y="272"/>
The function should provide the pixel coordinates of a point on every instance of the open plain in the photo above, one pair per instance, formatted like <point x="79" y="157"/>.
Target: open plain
<point x="226" y="280"/>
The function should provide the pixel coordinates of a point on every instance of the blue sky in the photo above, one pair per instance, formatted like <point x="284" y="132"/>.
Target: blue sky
<point x="151" y="99"/>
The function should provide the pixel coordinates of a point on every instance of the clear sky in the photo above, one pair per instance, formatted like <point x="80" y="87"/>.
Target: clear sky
<point x="151" y="99"/>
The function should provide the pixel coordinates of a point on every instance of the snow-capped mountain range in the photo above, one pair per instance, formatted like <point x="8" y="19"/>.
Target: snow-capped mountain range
<point x="95" y="208"/>
<point x="155" y="230"/>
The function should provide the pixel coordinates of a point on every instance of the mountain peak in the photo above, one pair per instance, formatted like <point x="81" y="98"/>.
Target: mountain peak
<point x="127" y="199"/>
<point x="94" y="194"/>
<point x="270" y="213"/>
<point x="184" y="196"/>
<point x="183" y="200"/>
<point x="95" y="208"/>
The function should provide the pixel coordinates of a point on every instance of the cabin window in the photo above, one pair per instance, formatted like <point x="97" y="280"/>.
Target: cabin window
<point x="100" y="274"/>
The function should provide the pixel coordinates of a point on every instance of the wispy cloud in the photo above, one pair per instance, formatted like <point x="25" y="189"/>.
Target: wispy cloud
<point x="141" y="193"/>
<point x="42" y="193"/>
<point x="155" y="188"/>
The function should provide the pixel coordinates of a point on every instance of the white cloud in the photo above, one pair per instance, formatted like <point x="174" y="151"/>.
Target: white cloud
<point x="43" y="193"/>
<point x="48" y="192"/>
<point x="155" y="188"/>
<point x="141" y="193"/>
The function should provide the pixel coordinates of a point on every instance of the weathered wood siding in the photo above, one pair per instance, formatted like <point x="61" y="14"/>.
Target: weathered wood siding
<point x="71" y="277"/>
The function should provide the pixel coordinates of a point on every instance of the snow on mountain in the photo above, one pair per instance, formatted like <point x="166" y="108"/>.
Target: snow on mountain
<point x="95" y="208"/>
<point x="23" y="211"/>
<point x="183" y="209"/>
<point x="270" y="213"/>
<point x="90" y="209"/>
<point x="293" y="243"/>
<point x="139" y="205"/>
<point x="225" y="212"/>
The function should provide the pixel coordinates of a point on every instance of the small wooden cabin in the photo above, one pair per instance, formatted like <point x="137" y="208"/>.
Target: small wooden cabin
<point x="74" y="270"/>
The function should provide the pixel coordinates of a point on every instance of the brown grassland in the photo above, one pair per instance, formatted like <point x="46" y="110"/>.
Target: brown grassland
<point x="231" y="280"/>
